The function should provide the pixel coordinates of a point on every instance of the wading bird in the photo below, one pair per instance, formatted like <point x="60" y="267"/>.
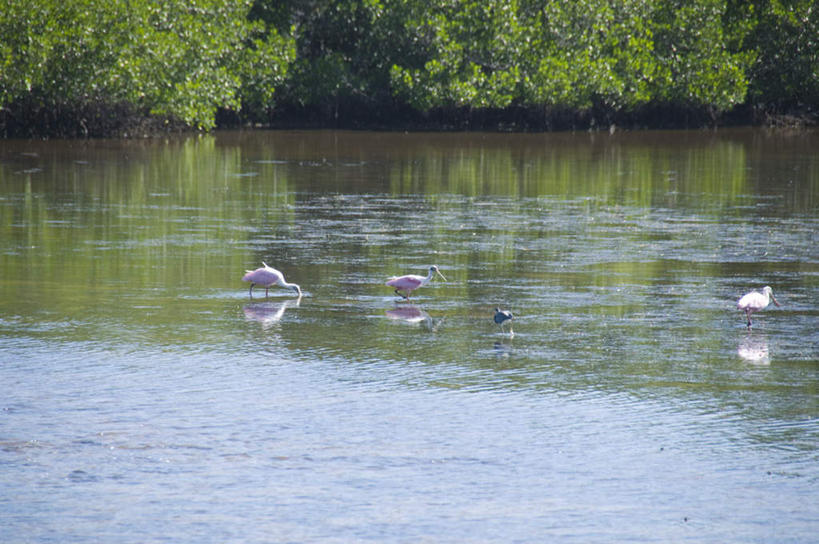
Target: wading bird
<point x="753" y="302"/>
<point x="411" y="282"/>
<point x="501" y="317"/>
<point x="267" y="277"/>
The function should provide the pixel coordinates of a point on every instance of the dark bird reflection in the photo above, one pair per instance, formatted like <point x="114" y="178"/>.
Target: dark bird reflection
<point x="502" y="349"/>
<point x="413" y="315"/>
<point x="269" y="313"/>
<point x="754" y="350"/>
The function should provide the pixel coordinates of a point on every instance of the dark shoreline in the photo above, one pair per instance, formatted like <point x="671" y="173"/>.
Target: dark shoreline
<point x="123" y="121"/>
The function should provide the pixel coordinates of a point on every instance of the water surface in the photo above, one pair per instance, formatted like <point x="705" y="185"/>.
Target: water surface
<point x="147" y="398"/>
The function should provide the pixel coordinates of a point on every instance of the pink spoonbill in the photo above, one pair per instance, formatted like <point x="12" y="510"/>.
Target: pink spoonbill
<point x="267" y="277"/>
<point x="411" y="282"/>
<point x="754" y="301"/>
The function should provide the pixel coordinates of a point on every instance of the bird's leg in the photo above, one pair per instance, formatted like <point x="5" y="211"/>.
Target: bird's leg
<point x="405" y="297"/>
<point x="266" y="289"/>
<point x="251" y="289"/>
<point x="748" y="315"/>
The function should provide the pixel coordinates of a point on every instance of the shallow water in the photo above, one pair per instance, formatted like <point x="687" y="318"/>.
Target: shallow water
<point x="147" y="398"/>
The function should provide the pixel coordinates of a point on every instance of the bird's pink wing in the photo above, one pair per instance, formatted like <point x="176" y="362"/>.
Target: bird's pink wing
<point x="262" y="276"/>
<point x="405" y="282"/>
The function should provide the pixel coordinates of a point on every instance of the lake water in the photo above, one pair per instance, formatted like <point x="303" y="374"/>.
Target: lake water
<point x="145" y="397"/>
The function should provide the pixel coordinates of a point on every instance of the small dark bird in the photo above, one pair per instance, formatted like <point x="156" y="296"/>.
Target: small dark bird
<point x="501" y="317"/>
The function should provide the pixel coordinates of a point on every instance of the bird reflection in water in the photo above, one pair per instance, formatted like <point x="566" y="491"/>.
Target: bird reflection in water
<point x="413" y="315"/>
<point x="754" y="350"/>
<point x="503" y="349"/>
<point x="269" y="313"/>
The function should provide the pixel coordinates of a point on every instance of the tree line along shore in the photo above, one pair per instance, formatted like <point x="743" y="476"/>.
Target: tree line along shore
<point x="89" y="68"/>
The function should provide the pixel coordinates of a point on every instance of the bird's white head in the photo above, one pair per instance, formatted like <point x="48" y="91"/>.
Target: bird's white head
<point x="434" y="270"/>
<point x="769" y="292"/>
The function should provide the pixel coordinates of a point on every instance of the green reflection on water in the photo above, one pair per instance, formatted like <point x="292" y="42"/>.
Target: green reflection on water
<point x="153" y="214"/>
<point x="154" y="236"/>
<point x="608" y="174"/>
<point x="621" y="258"/>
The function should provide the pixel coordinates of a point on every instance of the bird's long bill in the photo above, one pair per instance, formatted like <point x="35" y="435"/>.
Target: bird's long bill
<point x="774" y="300"/>
<point x="439" y="273"/>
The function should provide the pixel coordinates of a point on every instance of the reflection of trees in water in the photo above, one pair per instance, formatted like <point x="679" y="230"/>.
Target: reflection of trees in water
<point x="631" y="170"/>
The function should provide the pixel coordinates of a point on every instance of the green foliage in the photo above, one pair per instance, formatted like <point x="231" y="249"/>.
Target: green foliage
<point x="617" y="55"/>
<point x="786" y="40"/>
<point x="340" y="49"/>
<point x="62" y="50"/>
<point x="591" y="53"/>
<point x="697" y="67"/>
<point x="177" y="59"/>
<point x="473" y="51"/>
<point x="186" y="59"/>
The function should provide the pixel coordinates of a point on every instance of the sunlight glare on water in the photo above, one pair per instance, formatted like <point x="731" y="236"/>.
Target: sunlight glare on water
<point x="148" y="398"/>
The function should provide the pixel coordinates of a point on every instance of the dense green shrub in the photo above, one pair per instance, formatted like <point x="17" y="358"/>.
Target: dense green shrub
<point x="91" y="62"/>
<point x="785" y="40"/>
<point x="174" y="59"/>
